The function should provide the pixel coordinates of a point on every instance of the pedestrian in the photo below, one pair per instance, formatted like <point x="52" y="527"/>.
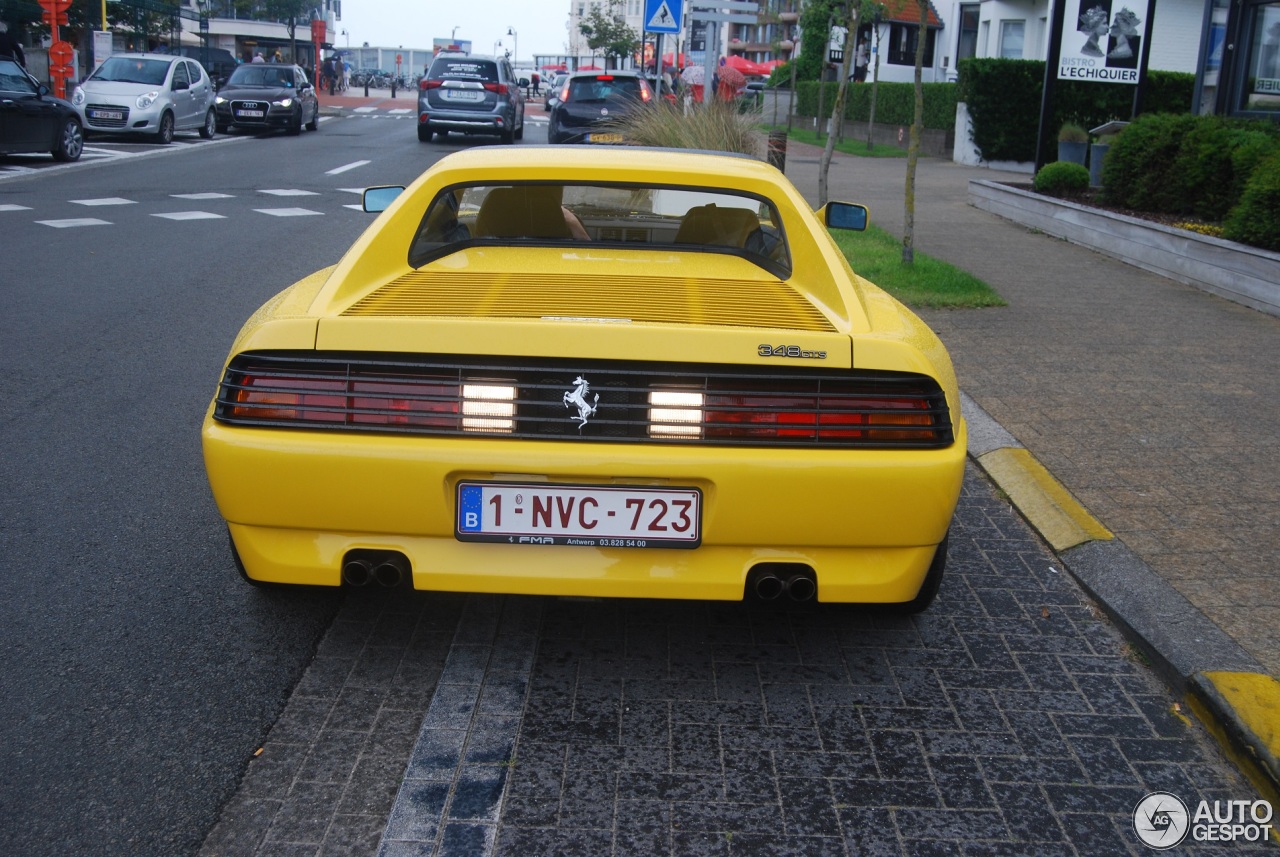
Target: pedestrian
<point x="11" y="47"/>
<point x="860" y="62"/>
<point x="257" y="56"/>
<point x="346" y="75"/>
<point x="537" y="81"/>
<point x="329" y="74"/>
<point x="276" y="56"/>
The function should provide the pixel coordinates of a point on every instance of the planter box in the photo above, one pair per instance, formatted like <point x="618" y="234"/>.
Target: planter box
<point x="1246" y="275"/>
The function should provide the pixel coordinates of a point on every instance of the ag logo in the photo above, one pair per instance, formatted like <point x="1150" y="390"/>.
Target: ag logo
<point x="1161" y="820"/>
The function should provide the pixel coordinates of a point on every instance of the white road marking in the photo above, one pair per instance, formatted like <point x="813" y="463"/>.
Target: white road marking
<point x="365" y="109"/>
<point x="202" y="196"/>
<point x="191" y="215"/>
<point x="106" y="200"/>
<point x="289" y="192"/>
<point x="358" y="190"/>
<point x="74" y="221"/>
<point x="9" y="207"/>
<point x="287" y="212"/>
<point x="355" y="207"/>
<point x="351" y="166"/>
<point x="400" y="110"/>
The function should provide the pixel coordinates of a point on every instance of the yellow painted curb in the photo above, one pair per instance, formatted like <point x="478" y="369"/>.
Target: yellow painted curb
<point x="1253" y="719"/>
<point x="1044" y="501"/>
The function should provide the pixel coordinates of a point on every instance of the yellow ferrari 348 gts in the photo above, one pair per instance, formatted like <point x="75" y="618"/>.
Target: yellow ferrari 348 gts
<point x="604" y="372"/>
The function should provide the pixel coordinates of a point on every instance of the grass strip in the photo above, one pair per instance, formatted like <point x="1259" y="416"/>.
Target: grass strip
<point x="877" y="255"/>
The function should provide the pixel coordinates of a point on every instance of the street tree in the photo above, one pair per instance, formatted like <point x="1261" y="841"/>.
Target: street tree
<point x="913" y="147"/>
<point x="607" y="32"/>
<point x="850" y="16"/>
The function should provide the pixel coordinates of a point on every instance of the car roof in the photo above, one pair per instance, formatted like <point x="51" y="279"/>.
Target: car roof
<point x="628" y="72"/>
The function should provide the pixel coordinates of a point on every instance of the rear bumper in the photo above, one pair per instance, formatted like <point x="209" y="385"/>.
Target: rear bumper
<point x="867" y="521"/>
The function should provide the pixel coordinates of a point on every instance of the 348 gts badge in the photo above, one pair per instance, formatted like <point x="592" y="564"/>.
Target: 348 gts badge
<point x="789" y="351"/>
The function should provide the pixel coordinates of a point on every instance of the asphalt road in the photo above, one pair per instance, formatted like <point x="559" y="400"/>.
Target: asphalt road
<point x="140" y="673"/>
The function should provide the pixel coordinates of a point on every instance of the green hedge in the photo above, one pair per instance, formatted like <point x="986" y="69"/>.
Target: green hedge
<point x="1256" y="219"/>
<point x="1186" y="164"/>
<point x="1003" y="97"/>
<point x="895" y="102"/>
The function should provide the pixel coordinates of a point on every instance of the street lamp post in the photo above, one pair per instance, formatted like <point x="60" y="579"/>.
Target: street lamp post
<point x="515" y="44"/>
<point x="453" y="37"/>
<point x="496" y="45"/>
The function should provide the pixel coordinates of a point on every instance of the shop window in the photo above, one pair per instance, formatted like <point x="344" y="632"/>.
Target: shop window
<point x="1262" y="63"/>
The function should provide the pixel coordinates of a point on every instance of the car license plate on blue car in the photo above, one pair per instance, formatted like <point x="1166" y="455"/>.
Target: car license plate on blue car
<point x="581" y="515"/>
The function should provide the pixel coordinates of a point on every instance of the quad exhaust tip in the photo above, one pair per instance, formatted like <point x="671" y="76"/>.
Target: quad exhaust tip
<point x="385" y="568"/>
<point x="782" y="581"/>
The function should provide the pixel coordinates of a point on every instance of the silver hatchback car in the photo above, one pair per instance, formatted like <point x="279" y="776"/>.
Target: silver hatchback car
<point x="155" y="94"/>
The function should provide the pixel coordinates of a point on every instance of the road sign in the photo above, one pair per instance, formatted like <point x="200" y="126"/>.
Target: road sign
<point x="662" y="16"/>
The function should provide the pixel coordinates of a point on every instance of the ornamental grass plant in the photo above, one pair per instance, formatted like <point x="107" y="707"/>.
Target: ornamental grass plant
<point x="716" y="126"/>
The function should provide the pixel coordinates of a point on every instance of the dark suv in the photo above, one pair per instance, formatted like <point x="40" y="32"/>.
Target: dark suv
<point x="218" y="62"/>
<point x="592" y="104"/>
<point x="471" y="94"/>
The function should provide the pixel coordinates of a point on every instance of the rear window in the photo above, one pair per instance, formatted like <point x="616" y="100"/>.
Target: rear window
<point x="603" y="88"/>
<point x="688" y="219"/>
<point x="463" y="69"/>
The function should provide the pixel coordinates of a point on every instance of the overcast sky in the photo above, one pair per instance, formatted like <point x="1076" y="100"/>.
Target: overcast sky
<point x="539" y="25"/>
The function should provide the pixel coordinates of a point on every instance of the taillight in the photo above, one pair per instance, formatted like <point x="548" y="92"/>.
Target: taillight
<point x="329" y="399"/>
<point x="821" y="418"/>
<point x="500" y="88"/>
<point x="430" y="84"/>
<point x="684" y="414"/>
<point x="645" y="93"/>
<point x="564" y="93"/>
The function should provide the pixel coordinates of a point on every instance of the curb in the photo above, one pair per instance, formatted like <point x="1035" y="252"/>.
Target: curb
<point x="1225" y="686"/>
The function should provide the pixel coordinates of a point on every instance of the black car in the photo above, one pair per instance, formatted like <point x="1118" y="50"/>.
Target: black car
<point x="218" y="63"/>
<point x="473" y="95"/>
<point x="267" y="95"/>
<point x="592" y="103"/>
<point x="32" y="120"/>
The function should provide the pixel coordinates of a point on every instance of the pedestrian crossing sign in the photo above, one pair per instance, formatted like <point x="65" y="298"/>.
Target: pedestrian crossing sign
<point x="662" y="16"/>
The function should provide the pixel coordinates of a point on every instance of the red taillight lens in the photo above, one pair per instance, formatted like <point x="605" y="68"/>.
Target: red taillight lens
<point x="821" y="418"/>
<point x="564" y="94"/>
<point x="645" y="93"/>
<point x="389" y="402"/>
<point x="500" y="88"/>
<point x="430" y="84"/>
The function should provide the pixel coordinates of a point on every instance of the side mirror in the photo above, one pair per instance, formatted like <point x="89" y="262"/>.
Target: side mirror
<point x="41" y="90"/>
<point x="845" y="215"/>
<point x="377" y="199"/>
<point x="524" y="81"/>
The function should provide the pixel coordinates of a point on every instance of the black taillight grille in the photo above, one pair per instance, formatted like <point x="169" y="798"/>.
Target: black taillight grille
<point x="585" y="401"/>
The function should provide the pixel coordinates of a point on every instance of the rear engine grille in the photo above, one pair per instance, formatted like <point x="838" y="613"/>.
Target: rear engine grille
<point x="619" y="402"/>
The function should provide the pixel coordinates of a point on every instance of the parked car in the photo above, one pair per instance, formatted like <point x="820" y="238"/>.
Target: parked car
<point x="157" y="94"/>
<point x="32" y="120"/>
<point x="218" y="62"/>
<point x="471" y="94"/>
<point x="591" y="103"/>
<point x="592" y="371"/>
<point x="268" y="95"/>
<point x="553" y="90"/>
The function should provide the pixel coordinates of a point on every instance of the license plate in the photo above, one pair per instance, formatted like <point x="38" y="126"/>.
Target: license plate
<point x="582" y="515"/>
<point x="604" y="138"/>
<point x="250" y="114"/>
<point x="107" y="114"/>
<point x="463" y="95"/>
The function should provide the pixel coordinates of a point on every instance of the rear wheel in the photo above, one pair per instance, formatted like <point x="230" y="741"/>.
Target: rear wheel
<point x="70" y="142"/>
<point x="164" y="134"/>
<point x="424" y="133"/>
<point x="210" y="125"/>
<point x="508" y="136"/>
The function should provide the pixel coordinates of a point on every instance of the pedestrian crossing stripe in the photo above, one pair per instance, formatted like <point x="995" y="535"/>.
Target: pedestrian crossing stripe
<point x="662" y="20"/>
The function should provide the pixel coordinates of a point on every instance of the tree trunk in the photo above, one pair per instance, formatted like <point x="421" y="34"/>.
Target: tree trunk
<point x="842" y="95"/>
<point x="913" y="148"/>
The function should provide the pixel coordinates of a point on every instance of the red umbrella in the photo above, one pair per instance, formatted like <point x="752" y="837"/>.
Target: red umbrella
<point x="679" y="61"/>
<point x="590" y="68"/>
<point x="731" y="80"/>
<point x="744" y="65"/>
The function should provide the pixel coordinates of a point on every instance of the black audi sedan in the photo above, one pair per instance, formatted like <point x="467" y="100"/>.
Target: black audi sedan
<point x="32" y="120"/>
<point x="591" y="103"/>
<point x="259" y="96"/>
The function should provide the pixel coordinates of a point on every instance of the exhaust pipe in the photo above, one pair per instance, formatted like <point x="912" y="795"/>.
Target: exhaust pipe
<point x="357" y="572"/>
<point x="768" y="587"/>
<point x="392" y="571"/>
<point x="801" y="587"/>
